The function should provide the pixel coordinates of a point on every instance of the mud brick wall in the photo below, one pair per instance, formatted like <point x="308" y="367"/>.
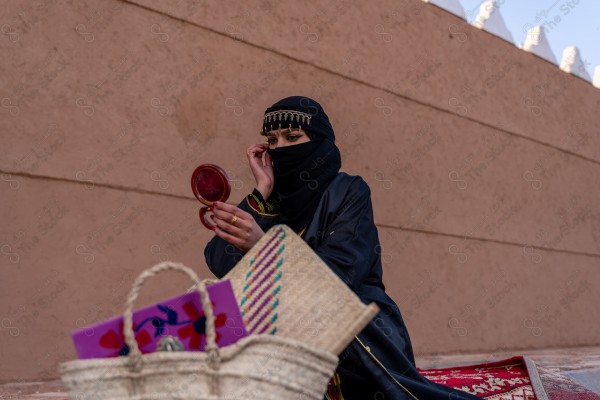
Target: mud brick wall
<point x="483" y="161"/>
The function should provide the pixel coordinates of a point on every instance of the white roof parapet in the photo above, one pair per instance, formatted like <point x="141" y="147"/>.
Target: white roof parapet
<point x="596" y="81"/>
<point x="572" y="63"/>
<point x="537" y="43"/>
<point x="490" y="19"/>
<point x="453" y="6"/>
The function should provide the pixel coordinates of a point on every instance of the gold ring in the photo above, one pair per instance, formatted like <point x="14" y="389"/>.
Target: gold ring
<point x="235" y="218"/>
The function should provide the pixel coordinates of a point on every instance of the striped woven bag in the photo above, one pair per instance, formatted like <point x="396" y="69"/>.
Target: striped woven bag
<point x="285" y="289"/>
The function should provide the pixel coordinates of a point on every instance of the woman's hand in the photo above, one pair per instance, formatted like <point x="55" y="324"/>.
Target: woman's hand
<point x="243" y="233"/>
<point x="263" y="172"/>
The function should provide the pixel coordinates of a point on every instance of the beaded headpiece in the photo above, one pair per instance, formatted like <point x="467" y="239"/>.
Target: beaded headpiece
<point x="298" y="112"/>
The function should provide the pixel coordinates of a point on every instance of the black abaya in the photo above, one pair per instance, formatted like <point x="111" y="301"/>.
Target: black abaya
<point x="379" y="363"/>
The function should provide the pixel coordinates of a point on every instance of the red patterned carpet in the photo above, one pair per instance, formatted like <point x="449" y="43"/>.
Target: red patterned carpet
<point x="516" y="378"/>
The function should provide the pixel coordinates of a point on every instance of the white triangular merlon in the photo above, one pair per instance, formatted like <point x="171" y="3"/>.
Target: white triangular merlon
<point x="537" y="43"/>
<point x="491" y="20"/>
<point x="597" y="77"/>
<point x="453" y="6"/>
<point x="572" y="63"/>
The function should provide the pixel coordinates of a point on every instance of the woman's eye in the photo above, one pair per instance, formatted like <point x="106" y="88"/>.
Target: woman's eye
<point x="291" y="138"/>
<point x="272" y="141"/>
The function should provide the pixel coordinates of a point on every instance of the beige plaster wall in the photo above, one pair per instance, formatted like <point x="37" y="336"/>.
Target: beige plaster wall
<point x="483" y="161"/>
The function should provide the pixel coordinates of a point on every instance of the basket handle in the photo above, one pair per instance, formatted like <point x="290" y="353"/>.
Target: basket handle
<point x="135" y="354"/>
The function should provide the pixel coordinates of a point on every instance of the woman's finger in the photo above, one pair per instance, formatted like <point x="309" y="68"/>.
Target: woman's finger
<point x="256" y="148"/>
<point x="242" y="221"/>
<point x="230" y="208"/>
<point x="262" y="144"/>
<point x="237" y="242"/>
<point x="226" y="226"/>
<point x="224" y="216"/>
<point x="268" y="162"/>
<point x="255" y="161"/>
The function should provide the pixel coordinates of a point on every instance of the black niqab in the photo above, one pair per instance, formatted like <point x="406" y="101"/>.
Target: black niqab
<point x="302" y="173"/>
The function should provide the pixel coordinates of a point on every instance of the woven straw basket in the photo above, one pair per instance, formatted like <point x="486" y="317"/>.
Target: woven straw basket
<point x="261" y="367"/>
<point x="285" y="289"/>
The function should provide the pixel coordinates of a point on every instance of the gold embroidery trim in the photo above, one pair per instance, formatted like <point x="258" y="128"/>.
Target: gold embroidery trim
<point x="302" y="231"/>
<point x="258" y="212"/>
<point x="384" y="368"/>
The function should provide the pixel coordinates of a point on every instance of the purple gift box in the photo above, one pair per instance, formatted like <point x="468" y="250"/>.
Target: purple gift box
<point x="181" y="317"/>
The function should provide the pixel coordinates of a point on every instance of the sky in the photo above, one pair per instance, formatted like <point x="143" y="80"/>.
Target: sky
<point x="579" y="24"/>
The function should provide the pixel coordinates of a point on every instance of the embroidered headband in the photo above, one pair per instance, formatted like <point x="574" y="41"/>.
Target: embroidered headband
<point x="275" y="119"/>
<point x="298" y="112"/>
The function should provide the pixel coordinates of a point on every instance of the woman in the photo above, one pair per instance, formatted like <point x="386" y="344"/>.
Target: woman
<point x="299" y="184"/>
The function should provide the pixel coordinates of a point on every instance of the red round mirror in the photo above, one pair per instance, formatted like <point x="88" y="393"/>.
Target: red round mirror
<point x="209" y="184"/>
